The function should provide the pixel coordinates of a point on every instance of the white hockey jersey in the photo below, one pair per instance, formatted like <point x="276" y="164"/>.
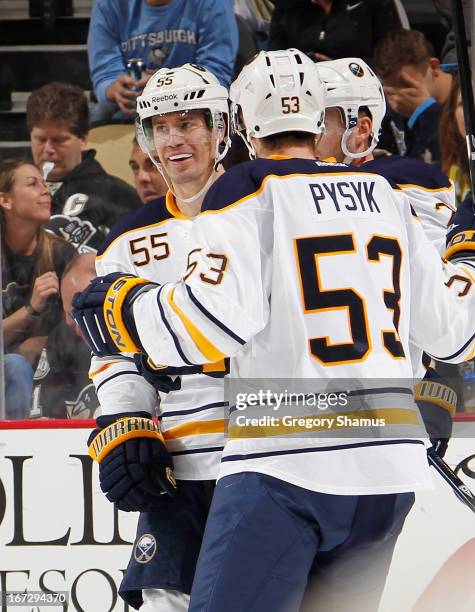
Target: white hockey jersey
<point x="429" y="191"/>
<point x="310" y="270"/>
<point x="432" y="197"/>
<point x="154" y="242"/>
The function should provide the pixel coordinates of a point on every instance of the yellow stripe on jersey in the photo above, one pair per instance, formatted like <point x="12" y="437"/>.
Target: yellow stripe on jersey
<point x="463" y="241"/>
<point x="315" y="423"/>
<point x="101" y="369"/>
<point x="436" y="393"/>
<point x="170" y="203"/>
<point x="471" y="355"/>
<point x="196" y="428"/>
<point x="284" y="177"/>
<point x="219" y="366"/>
<point x="112" y="311"/>
<point x="206" y="347"/>
<point x="437" y="189"/>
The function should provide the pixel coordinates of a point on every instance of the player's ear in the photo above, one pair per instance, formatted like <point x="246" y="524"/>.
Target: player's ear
<point x="365" y="126"/>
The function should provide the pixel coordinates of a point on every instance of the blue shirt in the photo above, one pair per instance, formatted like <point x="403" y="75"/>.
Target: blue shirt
<point x="202" y="32"/>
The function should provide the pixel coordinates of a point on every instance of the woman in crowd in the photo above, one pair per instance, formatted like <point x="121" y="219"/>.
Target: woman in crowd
<point x="32" y="261"/>
<point x="454" y="159"/>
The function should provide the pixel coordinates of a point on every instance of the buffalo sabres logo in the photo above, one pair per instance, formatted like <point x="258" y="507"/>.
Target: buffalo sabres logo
<point x="145" y="548"/>
<point x="356" y="69"/>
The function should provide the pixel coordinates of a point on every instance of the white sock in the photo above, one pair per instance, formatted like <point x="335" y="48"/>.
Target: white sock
<point x="164" y="600"/>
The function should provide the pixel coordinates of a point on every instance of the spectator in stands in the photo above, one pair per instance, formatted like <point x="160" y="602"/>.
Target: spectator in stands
<point x="86" y="200"/>
<point x="163" y="33"/>
<point x="330" y="29"/>
<point x="149" y="183"/>
<point x="449" y="53"/>
<point x="454" y="159"/>
<point x="415" y="87"/>
<point x="257" y="14"/>
<point x="32" y="261"/>
<point x="63" y="388"/>
<point x="248" y="44"/>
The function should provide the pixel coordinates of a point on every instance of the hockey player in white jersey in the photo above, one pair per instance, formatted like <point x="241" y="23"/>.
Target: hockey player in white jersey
<point x="325" y="275"/>
<point x="355" y="108"/>
<point x="188" y="108"/>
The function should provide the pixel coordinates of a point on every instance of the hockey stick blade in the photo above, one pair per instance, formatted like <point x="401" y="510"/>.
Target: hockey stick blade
<point x="460" y="489"/>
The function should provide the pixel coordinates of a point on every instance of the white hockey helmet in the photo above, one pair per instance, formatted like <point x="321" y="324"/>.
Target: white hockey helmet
<point x="277" y="92"/>
<point x="182" y="89"/>
<point x="350" y="85"/>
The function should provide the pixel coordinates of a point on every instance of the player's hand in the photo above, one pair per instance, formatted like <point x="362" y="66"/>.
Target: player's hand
<point x="440" y="446"/>
<point x="463" y="219"/>
<point x="437" y="400"/>
<point x="404" y="100"/>
<point x="124" y="92"/>
<point x="103" y="313"/>
<point x="45" y="286"/>
<point x="460" y="237"/>
<point x="135" y="467"/>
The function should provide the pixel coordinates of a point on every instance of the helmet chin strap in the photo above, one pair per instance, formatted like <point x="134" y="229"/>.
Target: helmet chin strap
<point x="247" y="141"/>
<point x="212" y="177"/>
<point x="350" y="155"/>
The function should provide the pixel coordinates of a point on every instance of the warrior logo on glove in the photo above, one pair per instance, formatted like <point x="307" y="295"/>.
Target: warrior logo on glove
<point x="135" y="467"/>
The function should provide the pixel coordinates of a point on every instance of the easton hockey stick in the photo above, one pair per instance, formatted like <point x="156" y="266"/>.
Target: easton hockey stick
<point x="459" y="487"/>
<point x="465" y="76"/>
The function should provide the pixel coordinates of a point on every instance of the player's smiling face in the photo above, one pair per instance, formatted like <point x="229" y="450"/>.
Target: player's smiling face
<point x="185" y="146"/>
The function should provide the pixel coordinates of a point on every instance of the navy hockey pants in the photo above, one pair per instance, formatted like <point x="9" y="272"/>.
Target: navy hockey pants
<point x="266" y="540"/>
<point x="168" y="542"/>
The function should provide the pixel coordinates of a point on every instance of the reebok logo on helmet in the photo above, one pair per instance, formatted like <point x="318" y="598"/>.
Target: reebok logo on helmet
<point x="164" y="97"/>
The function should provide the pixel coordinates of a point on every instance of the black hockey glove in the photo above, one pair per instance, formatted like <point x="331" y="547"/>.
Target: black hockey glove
<point x="460" y="237"/>
<point x="103" y="312"/>
<point x="437" y="402"/>
<point x="168" y="378"/>
<point x="135" y="468"/>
